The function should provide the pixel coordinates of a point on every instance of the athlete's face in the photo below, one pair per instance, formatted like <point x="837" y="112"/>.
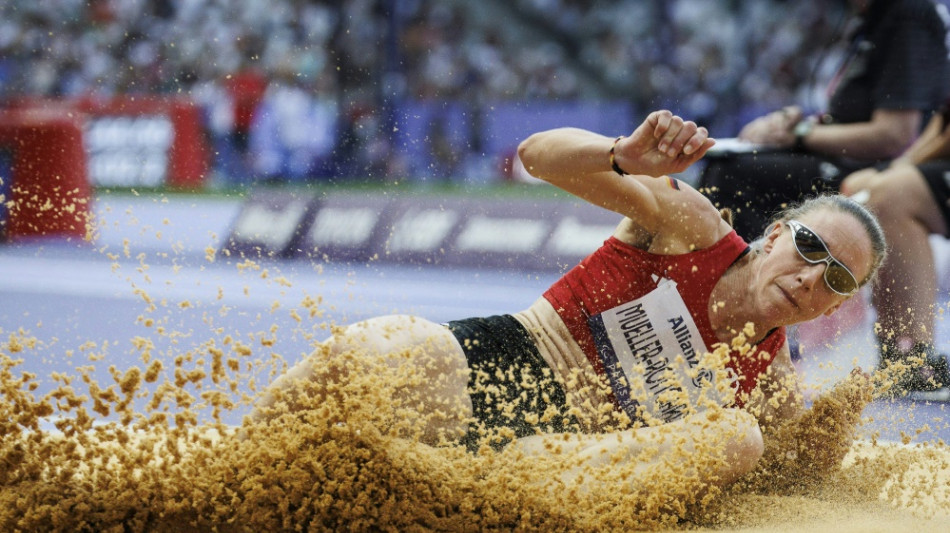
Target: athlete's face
<point x="793" y="290"/>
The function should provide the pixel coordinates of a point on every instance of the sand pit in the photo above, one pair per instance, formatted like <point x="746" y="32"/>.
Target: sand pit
<point x="346" y="465"/>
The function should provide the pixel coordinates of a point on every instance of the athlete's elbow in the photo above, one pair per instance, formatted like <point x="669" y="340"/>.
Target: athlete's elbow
<point x="530" y="153"/>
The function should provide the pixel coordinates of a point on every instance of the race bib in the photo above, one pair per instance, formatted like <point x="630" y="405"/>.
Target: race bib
<point x="653" y="354"/>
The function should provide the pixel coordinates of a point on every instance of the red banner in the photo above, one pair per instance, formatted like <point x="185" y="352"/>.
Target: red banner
<point x="47" y="186"/>
<point x="138" y="140"/>
<point x="165" y="135"/>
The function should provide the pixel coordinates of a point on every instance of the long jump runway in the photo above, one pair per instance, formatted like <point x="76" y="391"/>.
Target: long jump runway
<point x="153" y="275"/>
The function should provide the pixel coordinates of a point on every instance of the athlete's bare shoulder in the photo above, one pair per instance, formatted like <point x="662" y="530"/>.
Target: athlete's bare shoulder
<point x="688" y="220"/>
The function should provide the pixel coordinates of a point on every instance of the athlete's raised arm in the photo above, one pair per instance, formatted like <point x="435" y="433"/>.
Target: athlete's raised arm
<point x="617" y="173"/>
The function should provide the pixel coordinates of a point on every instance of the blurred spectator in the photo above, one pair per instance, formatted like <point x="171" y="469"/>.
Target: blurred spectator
<point x="382" y="53"/>
<point x="294" y="130"/>
<point x="245" y="91"/>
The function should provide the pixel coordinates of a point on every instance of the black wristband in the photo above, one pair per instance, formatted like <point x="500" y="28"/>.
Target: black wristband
<point x="613" y="160"/>
<point x="801" y="130"/>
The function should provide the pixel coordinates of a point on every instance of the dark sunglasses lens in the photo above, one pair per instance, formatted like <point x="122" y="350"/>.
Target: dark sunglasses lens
<point x="809" y="245"/>
<point x="839" y="279"/>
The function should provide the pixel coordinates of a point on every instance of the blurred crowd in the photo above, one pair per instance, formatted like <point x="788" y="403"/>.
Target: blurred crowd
<point x="310" y="89"/>
<point x="708" y="58"/>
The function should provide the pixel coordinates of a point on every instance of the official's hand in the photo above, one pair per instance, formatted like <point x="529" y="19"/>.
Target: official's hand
<point x="775" y="129"/>
<point x="663" y="144"/>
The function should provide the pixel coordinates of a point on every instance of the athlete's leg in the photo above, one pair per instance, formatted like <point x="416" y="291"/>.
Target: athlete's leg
<point x="420" y="361"/>
<point x="716" y="449"/>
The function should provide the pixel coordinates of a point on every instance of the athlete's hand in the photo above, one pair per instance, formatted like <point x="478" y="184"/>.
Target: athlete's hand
<point x="663" y="144"/>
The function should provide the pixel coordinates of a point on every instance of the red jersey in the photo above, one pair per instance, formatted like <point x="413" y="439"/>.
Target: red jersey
<point x="618" y="273"/>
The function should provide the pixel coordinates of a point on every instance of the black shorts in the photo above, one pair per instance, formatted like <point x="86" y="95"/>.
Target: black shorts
<point x="510" y="385"/>
<point x="937" y="175"/>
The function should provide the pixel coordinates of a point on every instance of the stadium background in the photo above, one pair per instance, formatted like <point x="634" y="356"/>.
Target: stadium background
<point x="115" y="107"/>
<point x="420" y="90"/>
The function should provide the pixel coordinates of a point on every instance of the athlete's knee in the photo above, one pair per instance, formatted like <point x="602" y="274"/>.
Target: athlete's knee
<point x="374" y="336"/>
<point x="410" y="346"/>
<point x="751" y="447"/>
<point x="746" y="445"/>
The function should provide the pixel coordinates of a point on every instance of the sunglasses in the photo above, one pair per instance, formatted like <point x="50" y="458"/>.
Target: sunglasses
<point x="813" y="250"/>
